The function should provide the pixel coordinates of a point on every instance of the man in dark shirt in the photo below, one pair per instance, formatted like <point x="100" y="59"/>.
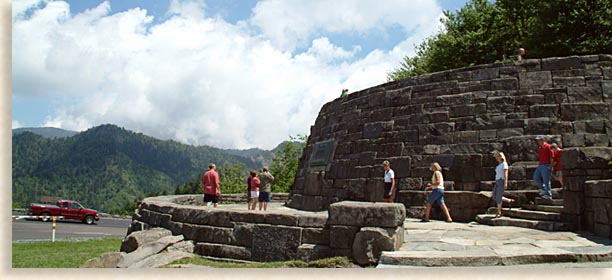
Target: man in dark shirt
<point x="544" y="169"/>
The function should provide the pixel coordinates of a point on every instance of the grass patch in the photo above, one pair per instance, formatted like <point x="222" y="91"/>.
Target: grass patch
<point x="334" y="262"/>
<point x="61" y="254"/>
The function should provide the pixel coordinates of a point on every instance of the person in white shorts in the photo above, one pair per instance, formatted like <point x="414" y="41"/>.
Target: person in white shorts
<point x="254" y="188"/>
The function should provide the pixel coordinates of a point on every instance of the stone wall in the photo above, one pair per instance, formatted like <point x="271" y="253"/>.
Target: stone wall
<point x="359" y="230"/>
<point x="242" y="197"/>
<point x="588" y="196"/>
<point x="456" y="118"/>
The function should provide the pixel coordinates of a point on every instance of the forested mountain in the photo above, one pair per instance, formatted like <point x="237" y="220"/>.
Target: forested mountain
<point x="107" y="166"/>
<point x="47" y="132"/>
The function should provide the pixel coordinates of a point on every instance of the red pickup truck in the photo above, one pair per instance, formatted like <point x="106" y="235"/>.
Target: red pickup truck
<point x="67" y="208"/>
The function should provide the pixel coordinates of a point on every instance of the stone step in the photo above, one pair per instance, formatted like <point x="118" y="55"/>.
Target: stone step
<point x="545" y="208"/>
<point x="488" y="219"/>
<point x="554" y="201"/>
<point x="532" y="214"/>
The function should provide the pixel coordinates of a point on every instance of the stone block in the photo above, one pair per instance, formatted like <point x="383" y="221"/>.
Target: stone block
<point x="504" y="84"/>
<point x="281" y="219"/>
<point x="161" y="259"/>
<point x="312" y="220"/>
<point x="106" y="260"/>
<point x="467" y="110"/>
<point x="316" y="235"/>
<point x="500" y="104"/>
<point x="585" y="111"/>
<point x="573" y="140"/>
<point x="531" y="80"/>
<point x="401" y="166"/>
<point x="148" y="249"/>
<point x="374" y="191"/>
<point x="202" y="216"/>
<point x="311" y="252"/>
<point x="603" y="230"/>
<point x="584" y="94"/>
<point x="275" y="243"/>
<point x="313" y="183"/>
<point x="596" y="140"/>
<point x="176" y="228"/>
<point x="208" y="234"/>
<point x="544" y="111"/>
<point x="410" y="184"/>
<point x="362" y="214"/>
<point x="598" y="188"/>
<point x="242" y="235"/>
<point x="561" y="63"/>
<point x="370" y="242"/>
<point x="568" y="82"/>
<point x="248" y="217"/>
<point x="223" y="251"/>
<point x="139" y="238"/>
<point x="485" y="74"/>
<point x="509" y="132"/>
<point x="538" y="126"/>
<point x="341" y="237"/>
<point x="466" y="136"/>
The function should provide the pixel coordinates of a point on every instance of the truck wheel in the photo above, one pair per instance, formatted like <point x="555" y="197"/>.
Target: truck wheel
<point x="89" y="219"/>
<point x="45" y="216"/>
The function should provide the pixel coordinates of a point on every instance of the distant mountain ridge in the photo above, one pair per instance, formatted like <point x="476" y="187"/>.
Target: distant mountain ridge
<point x="107" y="166"/>
<point x="47" y="132"/>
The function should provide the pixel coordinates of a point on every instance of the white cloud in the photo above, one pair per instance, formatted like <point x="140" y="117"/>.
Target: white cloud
<point x="291" y="23"/>
<point x="195" y="79"/>
<point x="16" y="124"/>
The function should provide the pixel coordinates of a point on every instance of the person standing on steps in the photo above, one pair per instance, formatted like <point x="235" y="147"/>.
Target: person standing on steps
<point x="266" y="188"/>
<point x="544" y="169"/>
<point x="557" y="167"/>
<point x="521" y="54"/>
<point x="437" y="193"/>
<point x="210" y="183"/>
<point x="501" y="182"/>
<point x="255" y="183"/>
<point x="389" y="179"/>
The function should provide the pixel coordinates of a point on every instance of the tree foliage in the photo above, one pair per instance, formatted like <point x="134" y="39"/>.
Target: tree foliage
<point x="109" y="168"/>
<point x="486" y="32"/>
<point x="285" y="163"/>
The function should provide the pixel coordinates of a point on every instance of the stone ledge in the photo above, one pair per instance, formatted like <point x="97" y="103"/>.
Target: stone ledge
<point x="367" y="214"/>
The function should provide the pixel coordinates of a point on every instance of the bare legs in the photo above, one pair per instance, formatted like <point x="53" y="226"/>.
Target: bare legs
<point x="264" y="205"/>
<point x="255" y="204"/>
<point x="444" y="209"/>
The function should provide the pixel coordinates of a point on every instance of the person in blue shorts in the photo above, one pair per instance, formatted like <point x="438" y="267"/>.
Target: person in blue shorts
<point x="437" y="193"/>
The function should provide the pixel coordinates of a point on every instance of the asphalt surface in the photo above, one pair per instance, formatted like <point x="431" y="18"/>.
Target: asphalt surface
<point x="36" y="230"/>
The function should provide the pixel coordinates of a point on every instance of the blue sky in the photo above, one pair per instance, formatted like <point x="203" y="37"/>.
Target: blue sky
<point x="232" y="74"/>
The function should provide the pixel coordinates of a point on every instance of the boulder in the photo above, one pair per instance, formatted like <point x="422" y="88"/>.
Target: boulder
<point x="161" y="259"/>
<point x="149" y="249"/>
<point x="223" y="251"/>
<point x="370" y="242"/>
<point x="136" y="239"/>
<point x="106" y="260"/>
<point x="364" y="214"/>
<point x="186" y="246"/>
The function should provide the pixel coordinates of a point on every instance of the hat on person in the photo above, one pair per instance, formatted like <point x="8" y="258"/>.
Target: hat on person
<point x="539" y="137"/>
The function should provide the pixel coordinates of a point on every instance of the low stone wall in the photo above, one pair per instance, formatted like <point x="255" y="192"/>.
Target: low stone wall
<point x="360" y="230"/>
<point x="588" y="192"/>
<point x="239" y="197"/>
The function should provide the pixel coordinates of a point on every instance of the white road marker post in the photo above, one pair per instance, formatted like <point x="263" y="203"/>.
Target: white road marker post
<point x="53" y="229"/>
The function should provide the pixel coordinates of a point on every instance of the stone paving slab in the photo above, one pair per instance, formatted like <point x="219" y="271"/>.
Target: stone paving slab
<point x="458" y="244"/>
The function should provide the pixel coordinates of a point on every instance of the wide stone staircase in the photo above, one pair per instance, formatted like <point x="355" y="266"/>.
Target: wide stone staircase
<point x="542" y="214"/>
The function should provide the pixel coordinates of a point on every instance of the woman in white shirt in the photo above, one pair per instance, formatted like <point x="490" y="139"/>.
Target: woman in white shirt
<point x="437" y="193"/>
<point x="501" y="182"/>
<point x="390" y="190"/>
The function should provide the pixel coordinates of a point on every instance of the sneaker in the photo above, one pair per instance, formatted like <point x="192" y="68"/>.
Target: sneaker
<point x="547" y="197"/>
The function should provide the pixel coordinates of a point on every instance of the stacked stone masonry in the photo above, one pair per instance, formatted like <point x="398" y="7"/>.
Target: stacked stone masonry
<point x="588" y="193"/>
<point x="359" y="230"/>
<point x="456" y="118"/>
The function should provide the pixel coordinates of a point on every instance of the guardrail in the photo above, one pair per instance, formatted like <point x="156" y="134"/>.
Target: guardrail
<point x="53" y="219"/>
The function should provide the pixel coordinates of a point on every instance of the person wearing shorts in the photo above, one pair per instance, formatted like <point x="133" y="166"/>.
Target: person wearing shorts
<point x="557" y="167"/>
<point x="389" y="179"/>
<point x="437" y="193"/>
<point x="254" y="193"/>
<point x="266" y="188"/>
<point x="501" y="182"/>
<point x="210" y="183"/>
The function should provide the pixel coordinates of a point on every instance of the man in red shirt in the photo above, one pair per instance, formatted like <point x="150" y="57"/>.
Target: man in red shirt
<point x="210" y="183"/>
<point x="557" y="168"/>
<point x="544" y="169"/>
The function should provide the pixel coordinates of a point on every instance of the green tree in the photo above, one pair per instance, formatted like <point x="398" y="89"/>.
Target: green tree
<point x="232" y="178"/>
<point x="285" y="163"/>
<point x="486" y="32"/>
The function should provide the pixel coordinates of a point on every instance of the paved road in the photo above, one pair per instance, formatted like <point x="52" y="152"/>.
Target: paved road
<point x="37" y="230"/>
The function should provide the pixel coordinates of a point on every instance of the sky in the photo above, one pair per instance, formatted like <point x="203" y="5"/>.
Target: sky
<point x="226" y="73"/>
